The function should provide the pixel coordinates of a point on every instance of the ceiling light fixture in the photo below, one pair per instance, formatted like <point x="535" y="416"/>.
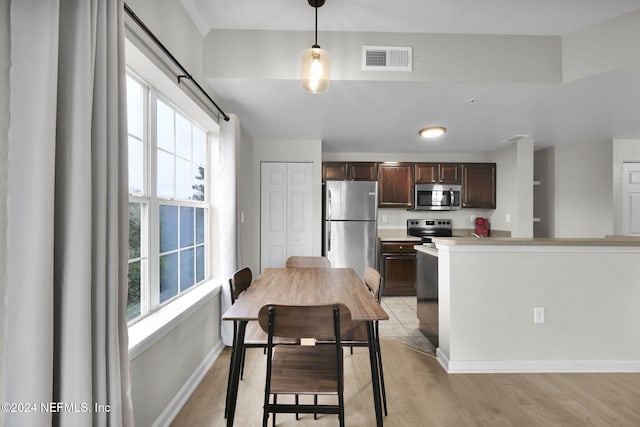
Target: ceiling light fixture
<point x="315" y="62"/>
<point x="432" y="132"/>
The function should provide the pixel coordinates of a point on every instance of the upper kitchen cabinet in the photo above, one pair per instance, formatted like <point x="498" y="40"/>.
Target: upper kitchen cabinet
<point x="338" y="171"/>
<point x="479" y="185"/>
<point x="395" y="185"/>
<point x="438" y="173"/>
<point x="355" y="171"/>
<point x="363" y="171"/>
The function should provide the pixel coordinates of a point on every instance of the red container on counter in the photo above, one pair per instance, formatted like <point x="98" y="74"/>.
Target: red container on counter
<point x="482" y="227"/>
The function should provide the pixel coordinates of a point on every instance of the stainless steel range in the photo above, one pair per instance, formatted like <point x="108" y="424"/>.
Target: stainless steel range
<point x="428" y="228"/>
<point x="427" y="273"/>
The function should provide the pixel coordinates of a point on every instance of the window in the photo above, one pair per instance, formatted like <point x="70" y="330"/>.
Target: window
<point x="168" y="207"/>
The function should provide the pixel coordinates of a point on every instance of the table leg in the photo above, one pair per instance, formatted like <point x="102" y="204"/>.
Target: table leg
<point x="375" y="378"/>
<point x="235" y="373"/>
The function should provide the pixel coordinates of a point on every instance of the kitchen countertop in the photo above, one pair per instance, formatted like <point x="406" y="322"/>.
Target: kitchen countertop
<point x="495" y="241"/>
<point x="396" y="235"/>
<point x="427" y="250"/>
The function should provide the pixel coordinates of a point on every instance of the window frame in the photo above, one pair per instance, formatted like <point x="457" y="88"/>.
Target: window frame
<point x="150" y="202"/>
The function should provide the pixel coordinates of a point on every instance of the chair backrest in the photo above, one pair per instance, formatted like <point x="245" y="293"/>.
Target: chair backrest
<point x="308" y="261"/>
<point x="372" y="279"/>
<point x="305" y="321"/>
<point x="239" y="283"/>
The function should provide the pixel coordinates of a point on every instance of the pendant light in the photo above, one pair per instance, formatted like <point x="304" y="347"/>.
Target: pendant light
<point x="315" y="62"/>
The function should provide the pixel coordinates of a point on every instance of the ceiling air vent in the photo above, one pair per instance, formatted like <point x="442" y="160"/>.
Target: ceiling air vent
<point x="386" y="58"/>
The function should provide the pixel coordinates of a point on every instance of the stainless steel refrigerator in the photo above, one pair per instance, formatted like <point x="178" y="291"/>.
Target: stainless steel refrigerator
<point x="350" y="231"/>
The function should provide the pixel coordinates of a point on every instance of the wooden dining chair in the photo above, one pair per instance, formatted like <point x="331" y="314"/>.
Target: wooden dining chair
<point x="308" y="261"/>
<point x="304" y="369"/>
<point x="254" y="337"/>
<point x="356" y="335"/>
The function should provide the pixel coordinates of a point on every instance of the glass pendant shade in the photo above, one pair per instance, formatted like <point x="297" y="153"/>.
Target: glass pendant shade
<point x="315" y="70"/>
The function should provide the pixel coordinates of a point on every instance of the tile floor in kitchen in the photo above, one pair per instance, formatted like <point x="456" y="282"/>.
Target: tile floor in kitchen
<point x="403" y="324"/>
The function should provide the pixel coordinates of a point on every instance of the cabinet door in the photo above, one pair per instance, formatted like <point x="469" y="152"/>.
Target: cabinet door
<point x="426" y="173"/>
<point x="395" y="185"/>
<point x="399" y="275"/>
<point x="450" y="173"/>
<point x="479" y="185"/>
<point x="335" y="171"/>
<point x="363" y="171"/>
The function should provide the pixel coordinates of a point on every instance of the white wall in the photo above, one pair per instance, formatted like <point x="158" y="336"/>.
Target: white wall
<point x="248" y="207"/>
<point x="461" y="57"/>
<point x="583" y="198"/>
<point x="589" y="294"/>
<point x="601" y="47"/>
<point x="271" y="150"/>
<point x="514" y="189"/>
<point x="5" y="59"/>
<point x="166" y="373"/>
<point x="543" y="193"/>
<point x="169" y="21"/>
<point x="575" y="197"/>
<point x="624" y="150"/>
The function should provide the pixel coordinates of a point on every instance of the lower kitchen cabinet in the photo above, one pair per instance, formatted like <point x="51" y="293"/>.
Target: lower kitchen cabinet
<point x="398" y="267"/>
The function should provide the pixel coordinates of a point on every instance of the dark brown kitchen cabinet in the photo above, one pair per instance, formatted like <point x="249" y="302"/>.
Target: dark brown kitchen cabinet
<point x="398" y="266"/>
<point x="335" y="171"/>
<point x="438" y="173"/>
<point x="479" y="185"/>
<point x="450" y="173"/>
<point x="356" y="171"/>
<point x="395" y="185"/>
<point x="363" y="171"/>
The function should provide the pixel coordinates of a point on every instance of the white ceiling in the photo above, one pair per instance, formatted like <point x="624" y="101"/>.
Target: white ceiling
<point x="367" y="116"/>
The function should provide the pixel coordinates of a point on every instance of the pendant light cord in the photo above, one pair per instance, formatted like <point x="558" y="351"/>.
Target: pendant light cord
<point x="316" y="44"/>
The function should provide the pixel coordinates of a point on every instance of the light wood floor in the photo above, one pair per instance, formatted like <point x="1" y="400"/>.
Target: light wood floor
<point x="420" y="393"/>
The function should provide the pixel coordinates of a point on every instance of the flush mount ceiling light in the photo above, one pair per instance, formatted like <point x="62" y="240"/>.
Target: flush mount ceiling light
<point x="432" y="132"/>
<point x="315" y="62"/>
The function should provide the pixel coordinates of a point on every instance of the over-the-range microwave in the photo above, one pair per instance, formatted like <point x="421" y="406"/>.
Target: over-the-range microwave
<point x="437" y="197"/>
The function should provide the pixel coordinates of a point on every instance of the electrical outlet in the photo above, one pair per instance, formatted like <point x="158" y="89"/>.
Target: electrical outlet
<point x="384" y="219"/>
<point x="507" y="218"/>
<point x="538" y="314"/>
<point x="472" y="218"/>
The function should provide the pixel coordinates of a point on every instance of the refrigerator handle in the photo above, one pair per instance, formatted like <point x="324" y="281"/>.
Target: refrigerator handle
<point x="328" y="220"/>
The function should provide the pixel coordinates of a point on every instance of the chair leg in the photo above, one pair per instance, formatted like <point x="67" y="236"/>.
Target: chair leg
<point x="244" y="353"/>
<point x="315" y="402"/>
<point x="384" y="393"/>
<point x="275" y="400"/>
<point x="297" y="403"/>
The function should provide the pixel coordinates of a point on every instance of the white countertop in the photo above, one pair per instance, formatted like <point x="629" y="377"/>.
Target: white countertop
<point x="499" y="241"/>
<point x="396" y="235"/>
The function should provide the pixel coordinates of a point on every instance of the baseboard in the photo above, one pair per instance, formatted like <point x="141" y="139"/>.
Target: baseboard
<point x="178" y="401"/>
<point x="537" y="366"/>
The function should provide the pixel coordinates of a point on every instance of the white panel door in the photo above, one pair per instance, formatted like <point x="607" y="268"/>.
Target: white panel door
<point x="299" y="203"/>
<point x="273" y="217"/>
<point x="631" y="199"/>
<point x="286" y="216"/>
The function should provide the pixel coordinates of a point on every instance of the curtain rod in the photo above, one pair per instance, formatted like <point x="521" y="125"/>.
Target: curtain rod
<point x="186" y="74"/>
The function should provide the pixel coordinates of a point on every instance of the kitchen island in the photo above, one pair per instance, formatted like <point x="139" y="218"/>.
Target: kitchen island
<point x="585" y="294"/>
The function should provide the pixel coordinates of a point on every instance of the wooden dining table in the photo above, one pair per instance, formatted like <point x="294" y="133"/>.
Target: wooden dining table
<point x="305" y="286"/>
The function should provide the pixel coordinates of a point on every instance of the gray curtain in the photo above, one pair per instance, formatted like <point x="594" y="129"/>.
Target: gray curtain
<point x="66" y="337"/>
